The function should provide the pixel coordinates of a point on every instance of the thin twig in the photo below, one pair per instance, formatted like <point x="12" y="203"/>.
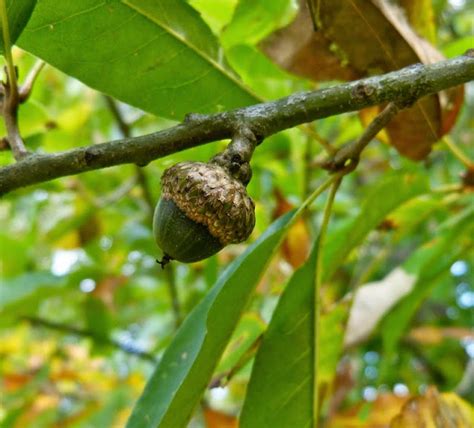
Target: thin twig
<point x="173" y="292"/>
<point x="317" y="297"/>
<point x="457" y="152"/>
<point x="401" y="86"/>
<point x="124" y="127"/>
<point x="353" y="150"/>
<point x="117" y="194"/>
<point x="35" y="321"/>
<point x="10" y="92"/>
<point x="27" y="86"/>
<point x="126" y="131"/>
<point x="224" y="378"/>
<point x="311" y="132"/>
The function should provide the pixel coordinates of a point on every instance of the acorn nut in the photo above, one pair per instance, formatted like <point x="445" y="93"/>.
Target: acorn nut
<point x="202" y="208"/>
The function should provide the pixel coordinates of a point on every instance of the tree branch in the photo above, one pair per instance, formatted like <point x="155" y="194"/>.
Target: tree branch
<point x="402" y="86"/>
<point x="69" y="329"/>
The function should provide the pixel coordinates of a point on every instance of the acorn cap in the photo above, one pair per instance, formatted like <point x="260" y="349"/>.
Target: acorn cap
<point x="208" y="195"/>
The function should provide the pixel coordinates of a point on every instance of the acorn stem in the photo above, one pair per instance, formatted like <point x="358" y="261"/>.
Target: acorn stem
<point x="243" y="143"/>
<point x="164" y="261"/>
<point x="235" y="159"/>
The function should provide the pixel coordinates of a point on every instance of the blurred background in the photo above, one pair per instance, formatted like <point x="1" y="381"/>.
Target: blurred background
<point x="85" y="311"/>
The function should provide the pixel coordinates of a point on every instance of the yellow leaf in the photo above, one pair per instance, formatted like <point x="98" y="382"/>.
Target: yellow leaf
<point x="435" y="410"/>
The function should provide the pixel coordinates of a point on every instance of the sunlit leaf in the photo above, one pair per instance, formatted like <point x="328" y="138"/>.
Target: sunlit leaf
<point x="163" y="50"/>
<point x="20" y="291"/>
<point x="254" y="19"/>
<point x="296" y="245"/>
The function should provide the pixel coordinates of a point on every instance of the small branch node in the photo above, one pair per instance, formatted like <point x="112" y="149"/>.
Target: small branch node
<point x="195" y="118"/>
<point x="236" y="157"/>
<point x="351" y="152"/>
<point x="24" y="90"/>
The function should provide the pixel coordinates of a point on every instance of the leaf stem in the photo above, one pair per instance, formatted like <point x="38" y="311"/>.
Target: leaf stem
<point x="25" y="89"/>
<point x="317" y="296"/>
<point x="173" y="292"/>
<point x="126" y="131"/>
<point x="353" y="150"/>
<point x="11" y="99"/>
<point x="458" y="153"/>
<point x="7" y="47"/>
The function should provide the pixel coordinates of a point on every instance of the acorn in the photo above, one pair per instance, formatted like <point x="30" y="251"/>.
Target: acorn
<point x="204" y="207"/>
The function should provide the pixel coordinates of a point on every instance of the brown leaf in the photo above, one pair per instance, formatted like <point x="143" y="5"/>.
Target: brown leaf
<point x="435" y="410"/>
<point x="90" y="229"/>
<point x="431" y="335"/>
<point x="382" y="410"/>
<point x="106" y="288"/>
<point x="367" y="115"/>
<point x="296" y="245"/>
<point x="364" y="37"/>
<point x="431" y="410"/>
<point x="298" y="49"/>
<point x="215" y="419"/>
<point x="421" y="15"/>
<point x="14" y="381"/>
<point x="372" y="301"/>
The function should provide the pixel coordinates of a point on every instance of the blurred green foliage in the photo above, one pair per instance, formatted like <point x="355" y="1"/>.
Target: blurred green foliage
<point x="83" y="303"/>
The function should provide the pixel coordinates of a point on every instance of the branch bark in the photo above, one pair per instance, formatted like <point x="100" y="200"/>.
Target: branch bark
<point x="402" y="87"/>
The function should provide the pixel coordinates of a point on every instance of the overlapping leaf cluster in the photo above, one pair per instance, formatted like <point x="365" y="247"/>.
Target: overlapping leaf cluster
<point x="84" y="309"/>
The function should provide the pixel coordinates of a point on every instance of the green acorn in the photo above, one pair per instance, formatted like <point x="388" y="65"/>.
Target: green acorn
<point x="203" y="207"/>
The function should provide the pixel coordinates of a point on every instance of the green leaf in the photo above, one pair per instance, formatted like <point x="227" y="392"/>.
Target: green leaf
<point x="427" y="263"/>
<point x="97" y="317"/>
<point x="255" y="19"/>
<point x="333" y="325"/>
<point x="216" y="13"/>
<point x="185" y="370"/>
<point x="280" y="391"/>
<point x="261" y="74"/>
<point x="157" y="55"/>
<point x="18" y="12"/>
<point x="382" y="198"/>
<point x="20" y="291"/>
<point x="13" y="255"/>
<point x="250" y="327"/>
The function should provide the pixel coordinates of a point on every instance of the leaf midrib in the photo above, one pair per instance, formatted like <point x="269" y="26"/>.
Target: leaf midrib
<point x="192" y="47"/>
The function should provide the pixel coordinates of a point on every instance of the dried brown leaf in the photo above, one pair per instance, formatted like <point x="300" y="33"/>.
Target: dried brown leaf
<point x="435" y="410"/>
<point x="365" y="37"/>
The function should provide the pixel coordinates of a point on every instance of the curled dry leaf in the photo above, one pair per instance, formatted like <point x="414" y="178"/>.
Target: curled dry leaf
<point x="381" y="411"/>
<point x="430" y="410"/>
<point x="435" y="410"/>
<point x="298" y="49"/>
<point x="216" y="419"/>
<point x="431" y="335"/>
<point x="357" y="38"/>
<point x="295" y="247"/>
<point x="372" y="301"/>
